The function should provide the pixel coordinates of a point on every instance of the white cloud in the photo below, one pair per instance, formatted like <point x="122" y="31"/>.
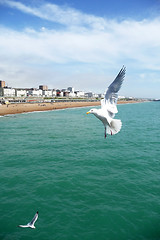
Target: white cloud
<point x="131" y="40"/>
<point x="88" y="48"/>
<point x="62" y="15"/>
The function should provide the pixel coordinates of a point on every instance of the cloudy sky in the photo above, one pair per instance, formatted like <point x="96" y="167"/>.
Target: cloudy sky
<point x="84" y="44"/>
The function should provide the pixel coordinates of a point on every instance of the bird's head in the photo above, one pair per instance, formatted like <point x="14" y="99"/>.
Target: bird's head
<point x="91" y="111"/>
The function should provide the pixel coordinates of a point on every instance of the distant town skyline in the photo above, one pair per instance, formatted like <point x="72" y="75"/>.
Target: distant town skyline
<point x="43" y="91"/>
<point x="82" y="44"/>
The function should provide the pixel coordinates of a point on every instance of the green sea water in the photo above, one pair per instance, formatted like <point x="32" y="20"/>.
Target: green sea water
<point x="84" y="186"/>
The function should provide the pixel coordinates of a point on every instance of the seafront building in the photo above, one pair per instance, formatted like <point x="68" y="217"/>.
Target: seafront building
<point x="43" y="87"/>
<point x="2" y="84"/>
<point x="7" y="92"/>
<point x="33" y="92"/>
<point x="42" y="92"/>
<point x="20" y="92"/>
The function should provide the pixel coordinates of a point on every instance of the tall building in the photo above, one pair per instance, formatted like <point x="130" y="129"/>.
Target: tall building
<point x="71" y="89"/>
<point x="2" y="84"/>
<point x="43" y="87"/>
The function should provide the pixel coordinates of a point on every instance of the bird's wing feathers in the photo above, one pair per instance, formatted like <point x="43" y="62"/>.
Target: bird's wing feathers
<point x="110" y="101"/>
<point x="23" y="226"/>
<point x="102" y="103"/>
<point x="34" y="219"/>
<point x="115" y="86"/>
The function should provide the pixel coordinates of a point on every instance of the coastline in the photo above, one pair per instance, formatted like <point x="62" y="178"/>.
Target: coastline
<point x="32" y="107"/>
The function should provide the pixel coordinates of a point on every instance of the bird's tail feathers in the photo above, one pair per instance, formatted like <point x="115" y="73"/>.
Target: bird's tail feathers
<point x="115" y="126"/>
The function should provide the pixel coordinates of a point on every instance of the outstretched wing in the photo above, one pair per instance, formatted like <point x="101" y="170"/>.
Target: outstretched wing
<point x="34" y="219"/>
<point x="23" y="226"/>
<point x="115" y="86"/>
<point x="110" y="101"/>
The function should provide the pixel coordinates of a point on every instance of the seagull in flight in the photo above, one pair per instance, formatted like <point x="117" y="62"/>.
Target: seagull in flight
<point x="109" y="106"/>
<point x="31" y="224"/>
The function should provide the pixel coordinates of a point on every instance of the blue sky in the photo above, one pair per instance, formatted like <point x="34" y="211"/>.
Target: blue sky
<point x="81" y="44"/>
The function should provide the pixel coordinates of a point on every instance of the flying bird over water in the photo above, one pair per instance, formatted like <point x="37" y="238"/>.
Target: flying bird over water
<point x="30" y="224"/>
<point x="109" y="106"/>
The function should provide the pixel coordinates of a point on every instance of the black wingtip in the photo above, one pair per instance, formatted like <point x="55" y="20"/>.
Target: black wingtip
<point x="37" y="212"/>
<point x="122" y="71"/>
<point x="123" y="68"/>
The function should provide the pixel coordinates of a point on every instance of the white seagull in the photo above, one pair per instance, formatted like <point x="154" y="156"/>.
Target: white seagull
<point x="31" y="224"/>
<point x="109" y="106"/>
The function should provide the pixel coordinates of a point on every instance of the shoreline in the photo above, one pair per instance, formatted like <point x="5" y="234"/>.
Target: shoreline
<point x="16" y="108"/>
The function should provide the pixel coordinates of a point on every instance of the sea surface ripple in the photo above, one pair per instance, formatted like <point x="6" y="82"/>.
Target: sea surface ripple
<point x="84" y="186"/>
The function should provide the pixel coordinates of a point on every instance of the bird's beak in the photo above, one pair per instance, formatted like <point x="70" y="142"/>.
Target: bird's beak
<point x="87" y="112"/>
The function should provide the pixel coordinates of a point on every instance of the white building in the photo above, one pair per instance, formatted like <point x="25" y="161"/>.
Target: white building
<point x="89" y="94"/>
<point x="121" y="97"/>
<point x="61" y="94"/>
<point x="8" y="92"/>
<point x="54" y="93"/>
<point x="47" y="93"/>
<point x="72" y="94"/>
<point x="80" y="94"/>
<point x="20" y="92"/>
<point x="65" y="92"/>
<point x="95" y="95"/>
<point x="34" y="92"/>
<point x="100" y="95"/>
